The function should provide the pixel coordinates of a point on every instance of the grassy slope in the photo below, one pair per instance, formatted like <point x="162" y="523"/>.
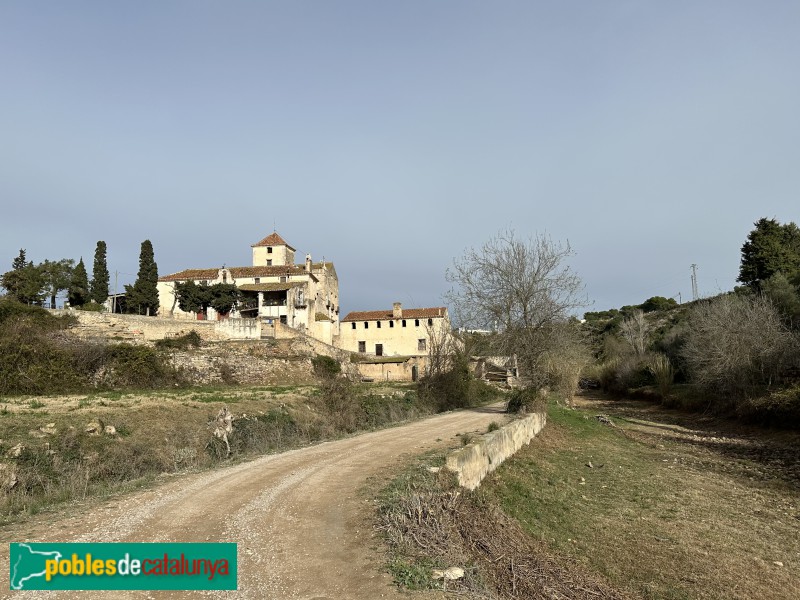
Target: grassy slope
<point x="165" y="432"/>
<point x="665" y="516"/>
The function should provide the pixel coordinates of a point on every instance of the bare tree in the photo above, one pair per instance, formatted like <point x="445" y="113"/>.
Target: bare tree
<point x="520" y="289"/>
<point x="634" y="331"/>
<point x="441" y="346"/>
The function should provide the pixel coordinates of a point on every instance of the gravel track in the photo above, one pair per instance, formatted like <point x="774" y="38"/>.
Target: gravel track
<point x="300" y="520"/>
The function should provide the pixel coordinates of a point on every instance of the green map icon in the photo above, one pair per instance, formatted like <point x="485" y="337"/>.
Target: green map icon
<point x="27" y="564"/>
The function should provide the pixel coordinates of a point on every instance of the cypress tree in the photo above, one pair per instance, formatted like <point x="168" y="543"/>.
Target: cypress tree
<point x="142" y="296"/>
<point x="78" y="293"/>
<point x="99" y="286"/>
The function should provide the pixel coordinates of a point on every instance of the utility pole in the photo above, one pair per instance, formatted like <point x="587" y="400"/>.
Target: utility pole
<point x="694" y="281"/>
<point x="114" y="301"/>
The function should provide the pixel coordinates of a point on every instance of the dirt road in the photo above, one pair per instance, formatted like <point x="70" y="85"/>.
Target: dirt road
<point x="300" y="518"/>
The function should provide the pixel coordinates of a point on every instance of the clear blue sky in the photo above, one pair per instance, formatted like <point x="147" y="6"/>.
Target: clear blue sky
<point x="389" y="136"/>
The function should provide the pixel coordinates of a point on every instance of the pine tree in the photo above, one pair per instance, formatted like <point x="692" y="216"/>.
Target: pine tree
<point x="142" y="296"/>
<point x="770" y="248"/>
<point x="20" y="262"/>
<point x="99" y="287"/>
<point x="78" y="293"/>
<point x="24" y="281"/>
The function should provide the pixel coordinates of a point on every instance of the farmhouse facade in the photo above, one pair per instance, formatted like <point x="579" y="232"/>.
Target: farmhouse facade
<point x="274" y="290"/>
<point x="396" y="332"/>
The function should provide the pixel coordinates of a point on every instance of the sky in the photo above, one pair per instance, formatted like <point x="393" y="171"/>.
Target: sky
<point x="388" y="137"/>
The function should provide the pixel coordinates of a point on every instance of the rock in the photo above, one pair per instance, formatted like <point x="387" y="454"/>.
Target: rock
<point x="110" y="430"/>
<point x="93" y="428"/>
<point x="434" y="469"/>
<point x="777" y="563"/>
<point x="15" y="451"/>
<point x="451" y="573"/>
<point x="223" y="425"/>
<point x="49" y="429"/>
<point x="8" y="477"/>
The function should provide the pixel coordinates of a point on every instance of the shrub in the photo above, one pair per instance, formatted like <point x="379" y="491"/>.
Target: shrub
<point x="181" y="342"/>
<point x="526" y="400"/>
<point x="138" y="367"/>
<point x="662" y="371"/>
<point x="736" y="345"/>
<point x="325" y="366"/>
<point x="92" y="307"/>
<point x="449" y="389"/>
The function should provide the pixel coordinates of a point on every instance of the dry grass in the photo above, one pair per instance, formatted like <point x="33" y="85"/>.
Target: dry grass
<point x="430" y="523"/>
<point x="665" y="510"/>
<point x="47" y="455"/>
<point x="657" y="505"/>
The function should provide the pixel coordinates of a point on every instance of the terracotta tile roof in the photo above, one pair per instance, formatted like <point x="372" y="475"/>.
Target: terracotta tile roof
<point x="271" y="271"/>
<point x="194" y="274"/>
<point x="269" y="287"/>
<point x="273" y="239"/>
<point x="387" y="315"/>
<point x="236" y="272"/>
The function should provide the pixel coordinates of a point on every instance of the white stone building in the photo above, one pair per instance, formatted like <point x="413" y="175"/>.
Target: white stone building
<point x="275" y="290"/>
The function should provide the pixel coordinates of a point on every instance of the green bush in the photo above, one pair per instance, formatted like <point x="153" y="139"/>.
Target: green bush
<point x="92" y="307"/>
<point x="526" y="400"/>
<point x="138" y="367"/>
<point x="181" y="342"/>
<point x="325" y="366"/>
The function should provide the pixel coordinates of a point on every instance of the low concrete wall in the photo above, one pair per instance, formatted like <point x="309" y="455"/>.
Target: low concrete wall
<point x="473" y="462"/>
<point x="239" y="329"/>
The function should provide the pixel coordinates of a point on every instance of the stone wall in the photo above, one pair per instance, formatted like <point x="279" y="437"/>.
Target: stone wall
<point x="473" y="462"/>
<point x="255" y="363"/>
<point x="135" y="328"/>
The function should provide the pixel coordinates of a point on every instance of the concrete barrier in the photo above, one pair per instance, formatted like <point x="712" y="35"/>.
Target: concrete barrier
<point x="476" y="460"/>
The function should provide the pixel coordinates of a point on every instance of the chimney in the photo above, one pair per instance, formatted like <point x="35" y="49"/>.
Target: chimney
<point x="397" y="310"/>
<point x="308" y="263"/>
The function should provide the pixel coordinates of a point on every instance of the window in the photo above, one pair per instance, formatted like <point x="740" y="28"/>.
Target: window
<point x="366" y="325"/>
<point x="269" y="262"/>
<point x="391" y="324"/>
<point x="378" y="324"/>
<point x="430" y="321"/>
<point x="283" y="278"/>
<point x="224" y="277"/>
<point x="416" y="322"/>
<point x="378" y="349"/>
<point x="257" y="280"/>
<point x="421" y="346"/>
<point x="354" y="325"/>
<point x="269" y="249"/>
<point x="404" y="322"/>
<point x="362" y="347"/>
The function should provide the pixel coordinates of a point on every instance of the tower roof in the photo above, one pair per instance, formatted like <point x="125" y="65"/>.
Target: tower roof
<point x="273" y="239"/>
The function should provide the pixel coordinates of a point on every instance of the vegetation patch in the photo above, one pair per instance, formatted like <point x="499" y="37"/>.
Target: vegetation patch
<point x="605" y="492"/>
<point x="431" y="525"/>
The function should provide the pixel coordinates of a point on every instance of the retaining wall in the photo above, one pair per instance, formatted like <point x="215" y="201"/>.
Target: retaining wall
<point x="133" y="328"/>
<point x="473" y="462"/>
